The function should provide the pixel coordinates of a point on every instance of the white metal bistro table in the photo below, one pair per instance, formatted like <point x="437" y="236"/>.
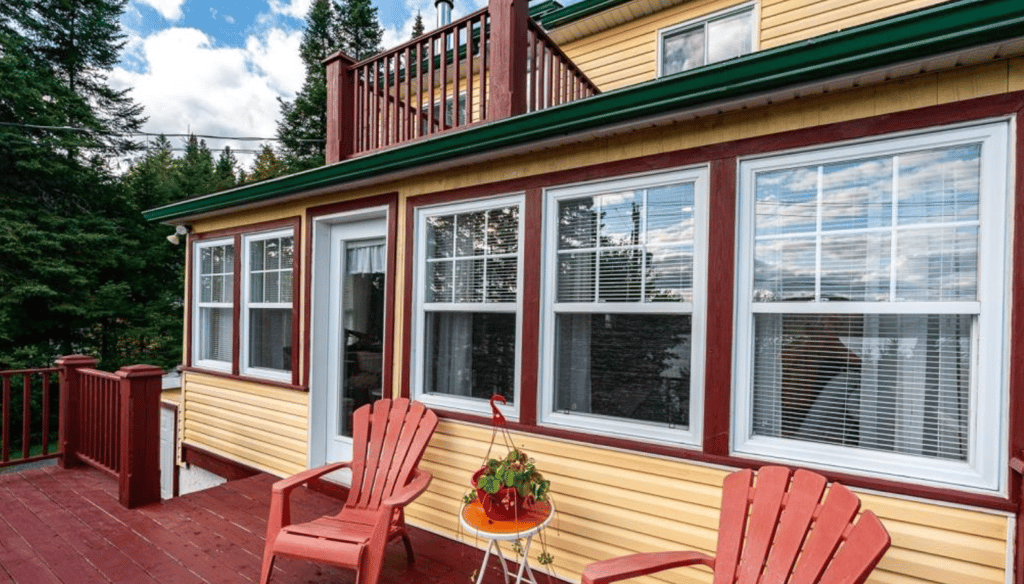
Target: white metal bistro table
<point x="525" y="526"/>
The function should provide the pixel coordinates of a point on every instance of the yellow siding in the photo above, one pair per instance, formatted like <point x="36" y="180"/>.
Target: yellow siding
<point x="787" y="21"/>
<point x="264" y="427"/>
<point x="612" y="503"/>
<point x="626" y="54"/>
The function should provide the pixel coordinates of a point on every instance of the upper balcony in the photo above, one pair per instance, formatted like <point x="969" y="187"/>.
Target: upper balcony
<point x="492" y="64"/>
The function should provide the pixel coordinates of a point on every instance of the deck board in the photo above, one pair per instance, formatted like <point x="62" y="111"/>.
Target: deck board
<point x="66" y="526"/>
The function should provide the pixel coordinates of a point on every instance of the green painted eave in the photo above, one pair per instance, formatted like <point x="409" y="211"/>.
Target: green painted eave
<point x="573" y="12"/>
<point x="915" y="35"/>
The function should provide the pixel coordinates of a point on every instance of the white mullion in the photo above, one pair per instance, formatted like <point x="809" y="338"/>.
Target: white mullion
<point x="707" y="41"/>
<point x="893" y="256"/>
<point x="597" y="252"/>
<point x="643" y="247"/>
<point x="623" y="307"/>
<point x="469" y="306"/>
<point x="486" y="250"/>
<point x="817" y="232"/>
<point x="968" y="307"/>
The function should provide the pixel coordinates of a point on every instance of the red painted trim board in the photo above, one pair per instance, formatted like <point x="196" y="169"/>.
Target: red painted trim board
<point x="1016" y="375"/>
<point x="217" y="464"/>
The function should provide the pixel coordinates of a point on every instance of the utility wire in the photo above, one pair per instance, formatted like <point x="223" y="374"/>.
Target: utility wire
<point x="149" y="134"/>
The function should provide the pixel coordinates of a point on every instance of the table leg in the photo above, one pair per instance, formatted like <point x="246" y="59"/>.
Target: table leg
<point x="487" y="556"/>
<point x="501" y="556"/>
<point x="524" y="565"/>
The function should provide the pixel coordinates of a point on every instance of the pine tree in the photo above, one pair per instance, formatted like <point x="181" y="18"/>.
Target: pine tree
<point x="302" y="128"/>
<point x="359" y="28"/>
<point x="224" y="174"/>
<point x="194" y="171"/>
<point x="266" y="166"/>
<point x="417" y="26"/>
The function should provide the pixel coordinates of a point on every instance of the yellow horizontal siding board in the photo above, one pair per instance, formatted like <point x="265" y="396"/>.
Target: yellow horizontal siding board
<point x="252" y="429"/>
<point x="247" y="409"/>
<point x="263" y="424"/>
<point x="844" y="15"/>
<point x="257" y="460"/>
<point x="989" y="525"/>
<point x="275" y="451"/>
<point x="990" y="79"/>
<point x="930" y="540"/>
<point x="1015" y="77"/>
<point x="255" y="388"/>
<point x="253" y="401"/>
<point x="939" y="569"/>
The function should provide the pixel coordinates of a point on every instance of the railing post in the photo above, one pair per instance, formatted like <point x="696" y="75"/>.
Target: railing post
<point x="509" y="22"/>
<point x="70" y="408"/>
<point x="139" y="481"/>
<point x="341" y="122"/>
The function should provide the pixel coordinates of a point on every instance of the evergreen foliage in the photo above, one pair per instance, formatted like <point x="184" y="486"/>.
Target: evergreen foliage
<point x="417" y="27"/>
<point x="302" y="128"/>
<point x="266" y="166"/>
<point x="359" y="28"/>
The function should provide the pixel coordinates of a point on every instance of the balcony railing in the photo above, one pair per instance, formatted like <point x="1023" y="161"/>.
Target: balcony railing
<point x="29" y="420"/>
<point x="491" y="64"/>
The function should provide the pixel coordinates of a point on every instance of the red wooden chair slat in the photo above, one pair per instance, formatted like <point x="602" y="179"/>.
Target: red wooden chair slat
<point x="774" y="529"/>
<point x="389" y="438"/>
<point x="833" y="519"/>
<point x="769" y="490"/>
<point x="804" y="497"/>
<point x="732" y="524"/>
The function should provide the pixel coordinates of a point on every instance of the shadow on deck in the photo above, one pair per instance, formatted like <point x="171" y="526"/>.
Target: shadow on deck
<point x="66" y="526"/>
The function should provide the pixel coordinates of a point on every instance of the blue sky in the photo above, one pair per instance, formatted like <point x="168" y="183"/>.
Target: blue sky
<point x="218" y="68"/>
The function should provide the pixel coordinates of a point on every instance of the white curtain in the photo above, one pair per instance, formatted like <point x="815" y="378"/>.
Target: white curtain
<point x="367" y="259"/>
<point x="453" y="368"/>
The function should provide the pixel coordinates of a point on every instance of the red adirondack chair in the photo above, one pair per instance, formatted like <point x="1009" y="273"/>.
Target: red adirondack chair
<point x="389" y="438"/>
<point x="774" y="531"/>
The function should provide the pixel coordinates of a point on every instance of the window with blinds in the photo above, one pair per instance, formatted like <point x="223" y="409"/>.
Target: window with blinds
<point x="268" y="304"/>
<point x="624" y="273"/>
<point x="467" y="303"/>
<point x="214" y="294"/>
<point x="866" y="297"/>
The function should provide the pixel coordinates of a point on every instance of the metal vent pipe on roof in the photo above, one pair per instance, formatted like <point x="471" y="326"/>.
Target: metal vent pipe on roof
<point x="444" y="12"/>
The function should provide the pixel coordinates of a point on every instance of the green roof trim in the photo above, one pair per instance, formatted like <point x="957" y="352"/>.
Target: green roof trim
<point x="573" y="12"/>
<point x="540" y="9"/>
<point x="930" y="31"/>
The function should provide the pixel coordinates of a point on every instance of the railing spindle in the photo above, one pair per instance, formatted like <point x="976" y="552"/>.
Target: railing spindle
<point x="6" y="454"/>
<point x="485" y="70"/>
<point x="46" y="413"/>
<point x="469" y="73"/>
<point x="26" y="413"/>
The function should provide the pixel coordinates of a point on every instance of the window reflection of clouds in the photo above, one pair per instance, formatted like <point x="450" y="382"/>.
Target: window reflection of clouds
<point x="940" y="185"/>
<point x="683" y="51"/>
<point x="618" y="226"/>
<point x="787" y="200"/>
<point x="857" y="194"/>
<point x="729" y="37"/>
<point x="937" y="264"/>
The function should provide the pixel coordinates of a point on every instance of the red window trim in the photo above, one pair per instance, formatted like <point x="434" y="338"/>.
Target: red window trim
<point x="236" y="233"/>
<point x="722" y="160"/>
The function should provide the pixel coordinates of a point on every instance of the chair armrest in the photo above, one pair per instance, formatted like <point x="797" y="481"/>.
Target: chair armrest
<point x="419" y="483"/>
<point x="635" y="565"/>
<point x="286" y="485"/>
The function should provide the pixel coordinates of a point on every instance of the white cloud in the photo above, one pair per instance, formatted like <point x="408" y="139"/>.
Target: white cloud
<point x="189" y="85"/>
<point x="169" y="9"/>
<point x="229" y="19"/>
<point x="293" y="8"/>
<point x="395" y="35"/>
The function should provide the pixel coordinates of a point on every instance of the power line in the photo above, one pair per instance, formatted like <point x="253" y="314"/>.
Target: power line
<point x="150" y="134"/>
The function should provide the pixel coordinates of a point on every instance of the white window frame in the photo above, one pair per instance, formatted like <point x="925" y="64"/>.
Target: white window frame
<point x="243" y="329"/>
<point x="419" y="307"/>
<point x="703" y="21"/>
<point x="608" y="425"/>
<point x="985" y="468"/>
<point x="198" y="304"/>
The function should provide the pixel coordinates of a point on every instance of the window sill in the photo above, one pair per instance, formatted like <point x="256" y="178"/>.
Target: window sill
<point x="246" y="378"/>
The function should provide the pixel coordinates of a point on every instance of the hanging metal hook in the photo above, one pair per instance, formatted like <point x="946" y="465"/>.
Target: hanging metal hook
<point x="497" y="420"/>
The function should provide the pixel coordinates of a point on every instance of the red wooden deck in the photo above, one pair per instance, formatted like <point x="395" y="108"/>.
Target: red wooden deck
<point x="66" y="526"/>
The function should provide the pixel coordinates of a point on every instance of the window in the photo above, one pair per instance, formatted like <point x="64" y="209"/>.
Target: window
<point x="467" y="303"/>
<point x="623" y="306"/>
<point x="868" y="322"/>
<point x="449" y="115"/>
<point x="267" y="305"/>
<point x="719" y="37"/>
<point x="214" y="294"/>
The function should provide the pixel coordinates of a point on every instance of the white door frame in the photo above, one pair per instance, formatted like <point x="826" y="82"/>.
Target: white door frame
<point x="320" y="327"/>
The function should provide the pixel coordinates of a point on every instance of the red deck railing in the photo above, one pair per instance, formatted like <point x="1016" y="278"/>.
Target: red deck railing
<point x="29" y="421"/>
<point x="491" y="64"/>
<point x="99" y="420"/>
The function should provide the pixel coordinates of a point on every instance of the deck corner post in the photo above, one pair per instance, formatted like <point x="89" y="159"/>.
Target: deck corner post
<point x="509" y="26"/>
<point x="139" y="477"/>
<point x="341" y="122"/>
<point x="69" y="410"/>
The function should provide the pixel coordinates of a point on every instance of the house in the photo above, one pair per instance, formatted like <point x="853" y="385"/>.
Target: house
<point x="679" y="237"/>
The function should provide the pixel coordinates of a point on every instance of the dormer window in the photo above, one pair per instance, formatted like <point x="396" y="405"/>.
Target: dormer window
<point x="718" y="37"/>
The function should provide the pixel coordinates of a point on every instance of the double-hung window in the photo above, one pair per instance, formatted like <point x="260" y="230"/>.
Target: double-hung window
<point x="467" y="304"/>
<point x="870" y="328"/>
<point x="267" y="304"/>
<point x="718" y="37"/>
<point x="214" y="301"/>
<point x="623" y="301"/>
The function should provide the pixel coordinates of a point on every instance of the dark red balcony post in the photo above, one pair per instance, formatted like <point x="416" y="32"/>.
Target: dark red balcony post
<point x="341" y="122"/>
<point x="509" y="22"/>
<point x="140" y="435"/>
<point x="70" y="405"/>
